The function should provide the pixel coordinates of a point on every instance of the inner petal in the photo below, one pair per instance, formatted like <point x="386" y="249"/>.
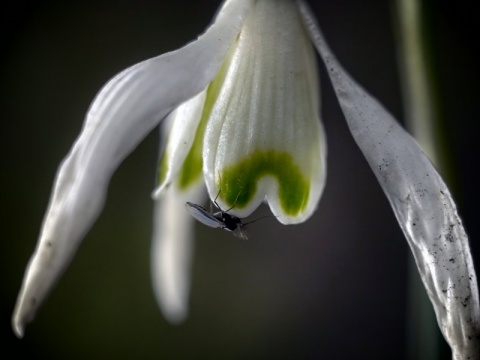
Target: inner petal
<point x="264" y="138"/>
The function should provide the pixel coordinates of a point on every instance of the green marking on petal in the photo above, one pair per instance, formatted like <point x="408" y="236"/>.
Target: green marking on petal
<point x="162" y="168"/>
<point x="238" y="183"/>
<point x="193" y="164"/>
<point x="192" y="167"/>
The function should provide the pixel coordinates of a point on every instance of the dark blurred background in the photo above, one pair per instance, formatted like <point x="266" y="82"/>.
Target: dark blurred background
<point x="334" y="287"/>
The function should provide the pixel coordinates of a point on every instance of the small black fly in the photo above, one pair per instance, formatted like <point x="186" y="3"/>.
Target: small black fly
<point x="220" y="219"/>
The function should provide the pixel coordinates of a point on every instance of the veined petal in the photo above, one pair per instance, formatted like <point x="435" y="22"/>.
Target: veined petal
<point x="172" y="249"/>
<point x="421" y="202"/>
<point x="184" y="122"/>
<point x="125" y="110"/>
<point x="264" y="138"/>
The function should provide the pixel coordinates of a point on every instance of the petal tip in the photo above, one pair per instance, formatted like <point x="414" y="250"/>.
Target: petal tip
<point x="18" y="323"/>
<point x="156" y="193"/>
<point x="18" y="330"/>
<point x="176" y="315"/>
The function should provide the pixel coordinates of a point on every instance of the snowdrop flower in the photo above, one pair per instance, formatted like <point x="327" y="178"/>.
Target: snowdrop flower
<point x="242" y="113"/>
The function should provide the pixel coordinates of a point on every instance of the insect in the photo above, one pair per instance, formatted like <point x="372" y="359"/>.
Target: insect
<point x="220" y="219"/>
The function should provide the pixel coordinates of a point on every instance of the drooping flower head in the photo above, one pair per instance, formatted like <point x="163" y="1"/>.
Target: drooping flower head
<point x="254" y="133"/>
<point x="241" y="105"/>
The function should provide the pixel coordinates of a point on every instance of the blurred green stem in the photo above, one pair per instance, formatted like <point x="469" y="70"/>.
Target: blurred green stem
<point x="420" y="115"/>
<point x="422" y="120"/>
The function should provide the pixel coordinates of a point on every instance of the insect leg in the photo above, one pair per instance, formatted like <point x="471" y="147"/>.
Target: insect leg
<point x="215" y="202"/>
<point x="234" y="201"/>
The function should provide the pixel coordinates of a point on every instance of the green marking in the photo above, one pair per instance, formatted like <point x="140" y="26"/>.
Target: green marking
<point x="192" y="167"/>
<point x="238" y="183"/>
<point x="162" y="168"/>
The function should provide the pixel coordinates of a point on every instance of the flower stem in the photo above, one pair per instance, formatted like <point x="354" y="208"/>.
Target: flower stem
<point x="423" y="121"/>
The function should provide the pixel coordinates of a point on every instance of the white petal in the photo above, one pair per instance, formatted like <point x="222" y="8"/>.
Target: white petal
<point x="184" y="122"/>
<point x="421" y="202"/>
<point x="264" y="138"/>
<point x="172" y="250"/>
<point x="126" y="109"/>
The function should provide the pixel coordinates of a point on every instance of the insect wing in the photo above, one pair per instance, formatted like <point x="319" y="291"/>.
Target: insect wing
<point x="241" y="233"/>
<point x="203" y="216"/>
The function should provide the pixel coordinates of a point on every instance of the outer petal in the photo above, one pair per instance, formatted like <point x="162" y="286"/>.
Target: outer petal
<point x="124" y="111"/>
<point x="264" y="138"/>
<point x="421" y="202"/>
<point x="172" y="250"/>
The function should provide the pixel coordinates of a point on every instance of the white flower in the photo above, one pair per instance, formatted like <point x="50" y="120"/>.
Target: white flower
<point x="241" y="106"/>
